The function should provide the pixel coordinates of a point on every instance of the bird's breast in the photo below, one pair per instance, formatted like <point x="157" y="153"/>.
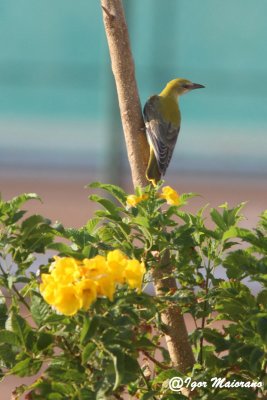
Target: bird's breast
<point x="170" y="110"/>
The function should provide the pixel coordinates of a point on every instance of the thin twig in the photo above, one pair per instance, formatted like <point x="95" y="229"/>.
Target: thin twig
<point x="156" y="362"/>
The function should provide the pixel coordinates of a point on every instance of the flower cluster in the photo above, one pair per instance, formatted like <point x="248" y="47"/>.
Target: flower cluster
<point x="72" y="285"/>
<point x="169" y="194"/>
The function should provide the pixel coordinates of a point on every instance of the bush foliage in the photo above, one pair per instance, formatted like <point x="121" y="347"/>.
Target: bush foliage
<point x="115" y="346"/>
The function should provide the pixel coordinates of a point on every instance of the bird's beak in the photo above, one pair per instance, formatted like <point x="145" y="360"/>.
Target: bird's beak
<point x="196" y="86"/>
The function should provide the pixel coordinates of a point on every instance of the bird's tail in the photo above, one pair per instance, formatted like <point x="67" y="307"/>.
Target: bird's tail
<point x="152" y="173"/>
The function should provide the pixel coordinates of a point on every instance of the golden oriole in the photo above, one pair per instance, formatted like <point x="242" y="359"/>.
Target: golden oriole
<point x="162" y="119"/>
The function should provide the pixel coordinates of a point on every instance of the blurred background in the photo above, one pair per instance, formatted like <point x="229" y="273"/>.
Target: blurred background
<point x="59" y="120"/>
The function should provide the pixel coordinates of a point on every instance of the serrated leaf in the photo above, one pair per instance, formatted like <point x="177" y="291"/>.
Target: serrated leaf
<point x="230" y="233"/>
<point x="116" y="191"/>
<point x="30" y="224"/>
<point x="186" y="196"/>
<point x="218" y="219"/>
<point x="142" y="221"/>
<point x="21" y="328"/>
<point x="108" y="205"/>
<point x="18" y="201"/>
<point x="39" y="309"/>
<point x="92" y="224"/>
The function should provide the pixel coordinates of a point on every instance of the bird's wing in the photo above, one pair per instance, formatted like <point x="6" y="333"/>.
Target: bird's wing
<point x="162" y="135"/>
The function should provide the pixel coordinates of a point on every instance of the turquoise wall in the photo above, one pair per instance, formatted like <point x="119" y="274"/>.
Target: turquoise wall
<point x="54" y="69"/>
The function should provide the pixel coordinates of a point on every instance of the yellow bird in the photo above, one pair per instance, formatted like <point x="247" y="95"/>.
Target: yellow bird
<point x="163" y="119"/>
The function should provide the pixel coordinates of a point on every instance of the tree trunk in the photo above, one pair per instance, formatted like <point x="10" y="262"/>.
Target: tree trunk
<point x="138" y="154"/>
<point x="130" y="108"/>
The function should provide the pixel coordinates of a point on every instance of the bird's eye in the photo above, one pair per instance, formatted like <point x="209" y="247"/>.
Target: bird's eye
<point x="186" y="85"/>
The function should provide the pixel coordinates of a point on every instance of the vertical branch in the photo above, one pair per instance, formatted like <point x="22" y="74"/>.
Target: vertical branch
<point x="123" y="69"/>
<point x="138" y="153"/>
<point x="176" y="334"/>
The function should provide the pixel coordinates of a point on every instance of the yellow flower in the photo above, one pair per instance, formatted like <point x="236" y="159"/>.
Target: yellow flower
<point x="133" y="200"/>
<point x="93" y="267"/>
<point x="105" y="286"/>
<point x="97" y="268"/>
<point x="134" y="273"/>
<point x="48" y="288"/>
<point x="117" y="262"/>
<point x="170" y="195"/>
<point x="87" y="292"/>
<point x="73" y="285"/>
<point x="68" y="300"/>
<point x="65" y="270"/>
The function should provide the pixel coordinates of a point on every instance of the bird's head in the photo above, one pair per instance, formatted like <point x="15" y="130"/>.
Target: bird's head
<point x="180" y="86"/>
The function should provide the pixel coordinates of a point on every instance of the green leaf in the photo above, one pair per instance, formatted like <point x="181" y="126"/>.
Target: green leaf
<point x="31" y="224"/>
<point x="142" y="221"/>
<point x="262" y="328"/>
<point x="44" y="341"/>
<point x="21" y="328"/>
<point x="89" y="328"/>
<point x="3" y="311"/>
<point x="236" y="262"/>
<point x="63" y="248"/>
<point x="216" y="338"/>
<point x="186" y="196"/>
<point x="262" y="298"/>
<point x="118" y="362"/>
<point x="9" y="337"/>
<point x="230" y="233"/>
<point x="55" y="396"/>
<point x="231" y="216"/>
<point x="145" y="344"/>
<point x="164" y="375"/>
<point x="7" y="355"/>
<point x="26" y="367"/>
<point x="39" y="309"/>
<point x="62" y="388"/>
<point x="218" y="219"/>
<point x="18" y="201"/>
<point x="87" y="352"/>
<point x="149" y="395"/>
<point x="92" y="224"/>
<point x="107" y="204"/>
<point x="255" y="359"/>
<point x="131" y="369"/>
<point x="55" y="319"/>
<point x="116" y="191"/>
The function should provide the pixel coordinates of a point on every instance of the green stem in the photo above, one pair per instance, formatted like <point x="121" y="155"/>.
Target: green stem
<point x="21" y="298"/>
<point x="146" y="382"/>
